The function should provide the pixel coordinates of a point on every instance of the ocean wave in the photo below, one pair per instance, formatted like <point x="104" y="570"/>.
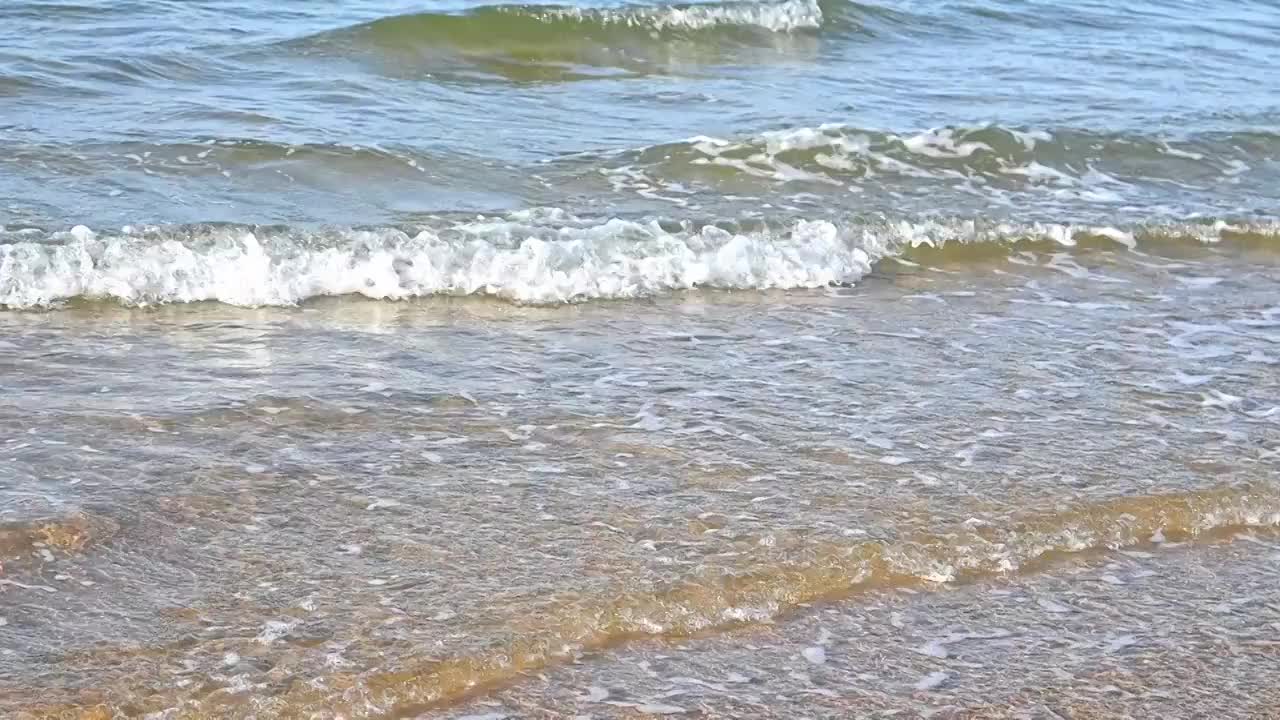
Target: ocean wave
<point x="14" y="85"/>
<point x="1090" y="165"/>
<point x="536" y="257"/>
<point x="223" y="156"/>
<point x="784" y="16"/>
<point x="494" y="20"/>
<point x="544" y="42"/>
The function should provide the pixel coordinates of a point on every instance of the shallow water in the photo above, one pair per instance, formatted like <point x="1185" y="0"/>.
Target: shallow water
<point x="360" y="507"/>
<point x="731" y="360"/>
<point x="1143" y="633"/>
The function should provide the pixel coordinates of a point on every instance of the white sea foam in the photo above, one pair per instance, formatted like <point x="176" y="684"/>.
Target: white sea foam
<point x="614" y="259"/>
<point x="538" y="256"/>
<point x="932" y="143"/>
<point x="942" y="144"/>
<point x="785" y="16"/>
<point x="987" y="160"/>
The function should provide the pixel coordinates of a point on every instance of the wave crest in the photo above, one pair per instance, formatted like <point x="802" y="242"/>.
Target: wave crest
<point x="784" y="16"/>
<point x="528" y="257"/>
<point x="615" y="259"/>
<point x="989" y="155"/>
<point x="560" y="42"/>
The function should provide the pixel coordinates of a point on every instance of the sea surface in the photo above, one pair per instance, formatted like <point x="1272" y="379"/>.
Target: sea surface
<point x="768" y="359"/>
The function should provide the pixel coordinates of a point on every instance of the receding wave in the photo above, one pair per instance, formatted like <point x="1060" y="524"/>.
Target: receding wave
<point x="757" y="592"/>
<point x="538" y="257"/>
<point x="963" y="554"/>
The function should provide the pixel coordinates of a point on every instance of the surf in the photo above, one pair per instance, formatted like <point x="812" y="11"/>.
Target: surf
<point x="529" y="258"/>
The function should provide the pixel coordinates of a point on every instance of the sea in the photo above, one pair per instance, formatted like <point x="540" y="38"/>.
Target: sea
<point x="759" y="359"/>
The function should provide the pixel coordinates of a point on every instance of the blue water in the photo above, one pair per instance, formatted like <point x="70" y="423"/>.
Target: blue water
<point x="405" y="109"/>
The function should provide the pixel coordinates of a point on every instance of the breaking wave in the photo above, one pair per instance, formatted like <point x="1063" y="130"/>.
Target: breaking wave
<point x="542" y="42"/>
<point x="991" y="155"/>
<point x="537" y="257"/>
<point x="532" y="20"/>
